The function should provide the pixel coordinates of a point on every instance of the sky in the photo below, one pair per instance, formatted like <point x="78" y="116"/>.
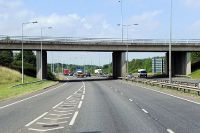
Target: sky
<point x="100" y="18"/>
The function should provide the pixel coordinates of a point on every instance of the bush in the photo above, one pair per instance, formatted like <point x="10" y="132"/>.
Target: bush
<point x="50" y="76"/>
<point x="29" y="69"/>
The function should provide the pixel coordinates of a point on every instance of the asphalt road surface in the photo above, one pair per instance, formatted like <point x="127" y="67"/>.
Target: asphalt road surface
<point x="107" y="106"/>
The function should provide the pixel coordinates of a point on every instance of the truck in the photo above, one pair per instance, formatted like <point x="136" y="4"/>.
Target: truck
<point x="66" y="71"/>
<point x="98" y="72"/>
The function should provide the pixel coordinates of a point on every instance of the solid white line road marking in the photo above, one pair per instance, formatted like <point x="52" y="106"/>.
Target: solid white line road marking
<point x="170" y="131"/>
<point x="36" y="119"/>
<point x="44" y="130"/>
<point x="82" y="97"/>
<point x="31" y="97"/>
<point x="169" y="94"/>
<point x="145" y="111"/>
<point x="73" y="118"/>
<point x="51" y="123"/>
<point x="47" y="118"/>
<point x="69" y="97"/>
<point x="130" y="100"/>
<point x="57" y="105"/>
<point x="79" y="105"/>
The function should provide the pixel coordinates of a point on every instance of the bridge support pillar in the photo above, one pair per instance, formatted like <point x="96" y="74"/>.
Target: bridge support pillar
<point x="181" y="63"/>
<point x="41" y="71"/>
<point x="119" y="64"/>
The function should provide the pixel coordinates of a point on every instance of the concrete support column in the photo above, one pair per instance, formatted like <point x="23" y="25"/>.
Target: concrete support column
<point x="181" y="63"/>
<point x="42" y="70"/>
<point x="119" y="64"/>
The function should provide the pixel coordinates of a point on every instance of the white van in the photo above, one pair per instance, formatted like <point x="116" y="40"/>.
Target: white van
<point x="142" y="73"/>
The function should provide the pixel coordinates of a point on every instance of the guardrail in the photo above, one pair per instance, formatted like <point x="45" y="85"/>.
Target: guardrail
<point x="185" y="86"/>
<point x="79" y="39"/>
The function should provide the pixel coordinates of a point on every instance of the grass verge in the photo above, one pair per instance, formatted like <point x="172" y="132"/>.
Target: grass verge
<point x="6" y="91"/>
<point x="9" y="78"/>
<point x="195" y="74"/>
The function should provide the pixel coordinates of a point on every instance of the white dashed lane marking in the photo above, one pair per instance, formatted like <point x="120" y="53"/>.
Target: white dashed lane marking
<point x="79" y="105"/>
<point x="73" y="118"/>
<point x="130" y="100"/>
<point x="145" y="111"/>
<point x="170" y="131"/>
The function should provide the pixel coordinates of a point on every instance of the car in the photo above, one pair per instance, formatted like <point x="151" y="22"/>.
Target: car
<point x="71" y="74"/>
<point x="142" y="73"/>
<point x="88" y="74"/>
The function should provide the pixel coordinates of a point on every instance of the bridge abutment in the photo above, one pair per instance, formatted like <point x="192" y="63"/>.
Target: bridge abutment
<point x="119" y="64"/>
<point x="41" y="70"/>
<point x="181" y="63"/>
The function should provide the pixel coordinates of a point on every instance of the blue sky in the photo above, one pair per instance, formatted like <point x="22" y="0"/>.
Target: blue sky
<point x="99" y="18"/>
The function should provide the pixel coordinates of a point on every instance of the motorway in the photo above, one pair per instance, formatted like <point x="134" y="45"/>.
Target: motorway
<point x="109" y="106"/>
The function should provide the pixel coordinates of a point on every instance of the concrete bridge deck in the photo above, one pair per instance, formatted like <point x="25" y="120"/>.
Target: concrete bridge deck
<point x="97" y="44"/>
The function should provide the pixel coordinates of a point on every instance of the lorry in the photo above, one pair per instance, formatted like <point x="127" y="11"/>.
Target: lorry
<point x="66" y="71"/>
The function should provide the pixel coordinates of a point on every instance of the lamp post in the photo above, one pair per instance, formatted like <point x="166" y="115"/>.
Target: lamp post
<point x="122" y="17"/>
<point x="127" y="27"/>
<point x="34" y="22"/>
<point x="170" y="43"/>
<point x="42" y="28"/>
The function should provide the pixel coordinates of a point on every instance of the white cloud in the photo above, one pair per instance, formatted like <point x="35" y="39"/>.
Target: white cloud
<point x="192" y="3"/>
<point x="148" y="23"/>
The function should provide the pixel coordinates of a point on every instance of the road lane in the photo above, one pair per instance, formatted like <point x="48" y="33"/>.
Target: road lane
<point x="101" y="106"/>
<point x="14" y="118"/>
<point x="105" y="111"/>
<point x="178" y="115"/>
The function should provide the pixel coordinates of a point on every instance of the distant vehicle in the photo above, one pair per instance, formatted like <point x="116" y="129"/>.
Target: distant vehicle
<point x="88" y="74"/>
<point x="80" y="75"/>
<point x="98" y="72"/>
<point x="71" y="74"/>
<point x="66" y="71"/>
<point x="142" y="73"/>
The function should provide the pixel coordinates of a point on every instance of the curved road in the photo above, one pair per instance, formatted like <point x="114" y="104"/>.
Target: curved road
<point x="110" y="106"/>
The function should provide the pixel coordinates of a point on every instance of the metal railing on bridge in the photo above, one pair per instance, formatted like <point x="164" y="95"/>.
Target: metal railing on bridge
<point x="94" y="40"/>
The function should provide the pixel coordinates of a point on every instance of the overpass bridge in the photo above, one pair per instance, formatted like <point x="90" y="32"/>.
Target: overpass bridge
<point x="181" y="63"/>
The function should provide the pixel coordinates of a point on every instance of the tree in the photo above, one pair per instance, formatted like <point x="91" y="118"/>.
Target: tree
<point x="29" y="57"/>
<point x="195" y="57"/>
<point x="6" y="57"/>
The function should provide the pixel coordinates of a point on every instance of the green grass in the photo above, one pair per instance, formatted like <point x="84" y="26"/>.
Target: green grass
<point x="195" y="74"/>
<point x="9" y="78"/>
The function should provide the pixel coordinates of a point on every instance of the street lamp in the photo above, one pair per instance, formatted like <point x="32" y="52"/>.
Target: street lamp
<point x="34" y="22"/>
<point x="127" y="27"/>
<point x="42" y="28"/>
<point x="170" y="43"/>
<point x="122" y="17"/>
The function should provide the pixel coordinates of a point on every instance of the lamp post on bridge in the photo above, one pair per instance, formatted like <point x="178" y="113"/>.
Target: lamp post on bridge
<point x="25" y="23"/>
<point x="41" y="31"/>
